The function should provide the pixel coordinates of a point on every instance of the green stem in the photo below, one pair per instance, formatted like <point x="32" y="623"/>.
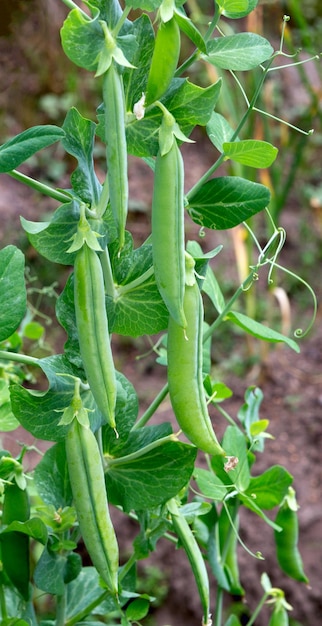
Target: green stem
<point x="257" y="610"/>
<point x="123" y="289"/>
<point x="114" y="462"/>
<point x="20" y="358"/>
<point x="121" y="21"/>
<point x="218" y="607"/>
<point x="195" y="55"/>
<point x="3" y="605"/>
<point x="152" y="408"/>
<point x="60" y="610"/>
<point x="108" y="274"/>
<point x="124" y="570"/>
<point x="104" y="198"/>
<point x="90" y="607"/>
<point x="245" y="284"/>
<point x="72" y="5"/>
<point x="60" y="196"/>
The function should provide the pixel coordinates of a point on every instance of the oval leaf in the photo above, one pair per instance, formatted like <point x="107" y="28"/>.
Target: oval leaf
<point x="238" y="52"/>
<point x="227" y="201"/>
<point x="22" y="146"/>
<point x="251" y="152"/>
<point x="13" y="295"/>
<point x="260" y="331"/>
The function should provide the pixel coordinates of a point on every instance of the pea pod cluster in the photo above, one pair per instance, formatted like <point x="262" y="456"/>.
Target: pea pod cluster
<point x="168" y="230"/>
<point x="93" y="333"/>
<point x="164" y="60"/>
<point x="116" y="148"/>
<point x="185" y="379"/>
<point x="15" y="545"/>
<point x="286" y="541"/>
<point x="89" y="493"/>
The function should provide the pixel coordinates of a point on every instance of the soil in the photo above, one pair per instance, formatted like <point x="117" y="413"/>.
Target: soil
<point x="292" y="387"/>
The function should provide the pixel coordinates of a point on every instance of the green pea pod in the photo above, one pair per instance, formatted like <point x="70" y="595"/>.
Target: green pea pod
<point x="228" y="549"/>
<point x="93" y="334"/>
<point x="15" y="545"/>
<point x="89" y="493"/>
<point x="286" y="541"/>
<point x="164" y="60"/>
<point x="168" y="231"/>
<point x="279" y="617"/>
<point x="116" y="148"/>
<point x="185" y="375"/>
<point x="192" y="550"/>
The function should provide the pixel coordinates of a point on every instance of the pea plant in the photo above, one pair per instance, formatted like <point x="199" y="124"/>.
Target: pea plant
<point x="108" y="460"/>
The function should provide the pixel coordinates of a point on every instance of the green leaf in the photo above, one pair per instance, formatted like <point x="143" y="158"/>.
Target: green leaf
<point x="227" y="201"/>
<point x="232" y="621"/>
<point x="249" y="412"/>
<point x="189" y="28"/>
<point x="138" y="609"/>
<point x="235" y="9"/>
<point x="260" y="331"/>
<point x="79" y="141"/>
<point x="210" y="485"/>
<point x="52" y="239"/>
<point x="84" y="591"/>
<point x="251" y="152"/>
<point x="219" y="131"/>
<point x="51" y="477"/>
<point x="130" y="441"/>
<point x="269" y="488"/>
<point x="82" y="39"/>
<point x="152" y="478"/>
<point x="240" y="52"/>
<point x="33" y="331"/>
<point x="211" y="287"/>
<point x="39" y="412"/>
<point x="257" y="428"/>
<point x="237" y="474"/>
<point x="65" y="313"/>
<point x="22" y="146"/>
<point x="234" y="444"/>
<point x="73" y="567"/>
<point x="135" y="79"/>
<point x="33" y="528"/>
<point x="137" y="307"/>
<point x="8" y="421"/>
<point x="189" y="104"/>
<point x="13" y="296"/>
<point x="49" y="572"/>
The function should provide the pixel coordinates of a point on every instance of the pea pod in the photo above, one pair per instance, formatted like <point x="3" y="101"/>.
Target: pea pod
<point x="279" y="617"/>
<point x="116" y="148"/>
<point x="89" y="493"/>
<point x="14" y="544"/>
<point x="93" y="334"/>
<point x="185" y="375"/>
<point x="228" y="548"/>
<point x="286" y="541"/>
<point x="164" y="60"/>
<point x="192" y="550"/>
<point x="168" y="231"/>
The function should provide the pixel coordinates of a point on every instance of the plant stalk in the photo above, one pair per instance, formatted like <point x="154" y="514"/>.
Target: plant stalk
<point x="45" y="190"/>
